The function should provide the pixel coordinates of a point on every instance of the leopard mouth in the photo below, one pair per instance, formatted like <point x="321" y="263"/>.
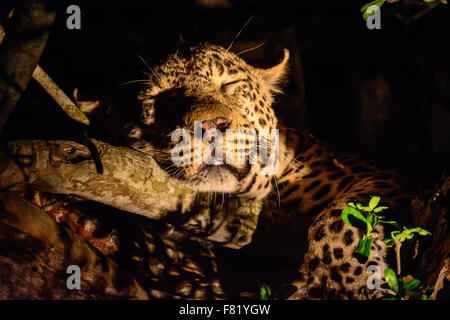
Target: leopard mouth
<point x="239" y="174"/>
<point x="220" y="178"/>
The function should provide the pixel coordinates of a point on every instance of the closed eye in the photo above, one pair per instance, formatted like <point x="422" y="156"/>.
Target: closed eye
<point x="229" y="85"/>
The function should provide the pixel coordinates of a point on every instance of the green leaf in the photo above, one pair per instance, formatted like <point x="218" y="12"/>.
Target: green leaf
<point x="366" y="14"/>
<point x="368" y="247"/>
<point x="364" y="247"/>
<point x="374" y="202"/>
<point x="395" y="234"/>
<point x="379" y="209"/>
<point x="361" y="245"/>
<point x="420" y="231"/>
<point x="351" y="216"/>
<point x="423" y="232"/>
<point x="410" y="284"/>
<point x="364" y="8"/>
<point x="372" y="220"/>
<point x="394" y="223"/>
<point x="391" y="279"/>
<point x="389" y="242"/>
<point x="429" y="291"/>
<point x="389" y="298"/>
<point x="265" y="292"/>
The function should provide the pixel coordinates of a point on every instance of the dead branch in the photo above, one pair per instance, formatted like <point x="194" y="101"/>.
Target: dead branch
<point x="69" y="107"/>
<point x="20" y="51"/>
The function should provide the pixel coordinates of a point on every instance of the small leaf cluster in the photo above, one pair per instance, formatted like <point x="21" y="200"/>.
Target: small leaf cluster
<point x="406" y="287"/>
<point x="352" y="216"/>
<point x="404" y="234"/>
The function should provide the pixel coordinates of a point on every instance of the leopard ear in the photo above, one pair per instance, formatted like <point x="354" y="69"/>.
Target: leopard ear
<point x="274" y="76"/>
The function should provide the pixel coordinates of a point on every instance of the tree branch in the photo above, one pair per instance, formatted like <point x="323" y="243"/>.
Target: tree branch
<point x="132" y="181"/>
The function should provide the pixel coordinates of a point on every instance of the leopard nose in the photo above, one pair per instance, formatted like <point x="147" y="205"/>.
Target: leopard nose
<point x="218" y="123"/>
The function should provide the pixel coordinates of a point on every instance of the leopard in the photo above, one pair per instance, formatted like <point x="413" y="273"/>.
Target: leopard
<point x="305" y="192"/>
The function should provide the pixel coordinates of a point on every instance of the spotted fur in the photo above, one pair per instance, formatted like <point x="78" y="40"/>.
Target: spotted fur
<point x="209" y="83"/>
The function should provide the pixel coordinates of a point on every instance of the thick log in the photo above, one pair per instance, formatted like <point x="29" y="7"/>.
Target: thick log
<point x="131" y="181"/>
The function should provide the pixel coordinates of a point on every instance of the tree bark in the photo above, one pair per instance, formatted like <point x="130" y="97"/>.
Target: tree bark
<point x="131" y="181"/>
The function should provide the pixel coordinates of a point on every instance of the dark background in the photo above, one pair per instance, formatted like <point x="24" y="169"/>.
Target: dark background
<point x="380" y="93"/>
<point x="383" y="94"/>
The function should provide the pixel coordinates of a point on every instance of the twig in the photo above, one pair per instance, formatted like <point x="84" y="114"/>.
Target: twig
<point x="398" y="245"/>
<point x="69" y="107"/>
<point x="2" y="33"/>
<point x="418" y="15"/>
<point x="424" y="11"/>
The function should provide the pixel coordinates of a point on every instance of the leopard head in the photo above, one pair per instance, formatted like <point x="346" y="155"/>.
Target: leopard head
<point x="205" y="113"/>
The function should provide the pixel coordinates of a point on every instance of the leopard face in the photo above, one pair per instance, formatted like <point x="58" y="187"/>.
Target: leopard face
<point x="214" y="91"/>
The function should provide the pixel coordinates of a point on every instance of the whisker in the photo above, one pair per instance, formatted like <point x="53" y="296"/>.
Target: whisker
<point x="151" y="76"/>
<point x="286" y="128"/>
<point x="132" y="81"/>
<point x="149" y="68"/>
<point x="239" y="33"/>
<point x="254" y="48"/>
<point x="276" y="187"/>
